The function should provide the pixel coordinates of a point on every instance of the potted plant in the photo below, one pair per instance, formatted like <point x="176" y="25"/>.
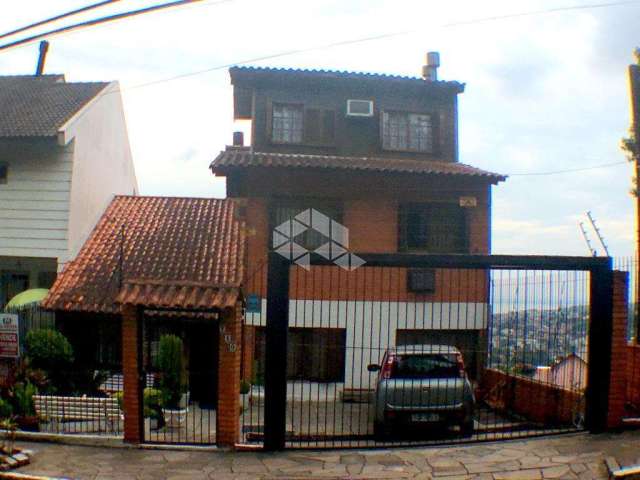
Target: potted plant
<point x="172" y="380"/>
<point x="152" y="399"/>
<point x="245" y="389"/>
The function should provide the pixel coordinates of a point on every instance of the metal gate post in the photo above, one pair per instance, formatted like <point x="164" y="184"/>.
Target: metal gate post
<point x="275" y="378"/>
<point x="599" y="345"/>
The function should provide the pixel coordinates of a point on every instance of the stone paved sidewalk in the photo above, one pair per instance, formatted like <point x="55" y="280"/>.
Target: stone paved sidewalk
<point x="569" y="456"/>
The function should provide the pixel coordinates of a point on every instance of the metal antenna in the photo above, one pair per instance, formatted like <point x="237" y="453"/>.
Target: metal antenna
<point x="597" y="230"/>
<point x="592" y="250"/>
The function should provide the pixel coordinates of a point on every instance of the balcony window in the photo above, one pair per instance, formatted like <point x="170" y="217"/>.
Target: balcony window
<point x="411" y="132"/>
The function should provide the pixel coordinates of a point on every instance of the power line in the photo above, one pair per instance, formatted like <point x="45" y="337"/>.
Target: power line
<point x="571" y="170"/>
<point x="58" y="17"/>
<point x="100" y="20"/>
<point x="383" y="36"/>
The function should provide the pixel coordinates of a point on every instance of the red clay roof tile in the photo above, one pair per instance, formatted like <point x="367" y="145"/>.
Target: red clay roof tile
<point x="235" y="157"/>
<point x="160" y="252"/>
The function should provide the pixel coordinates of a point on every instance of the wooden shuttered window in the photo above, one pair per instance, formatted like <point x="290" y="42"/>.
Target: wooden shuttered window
<point x="319" y="126"/>
<point x="299" y="125"/>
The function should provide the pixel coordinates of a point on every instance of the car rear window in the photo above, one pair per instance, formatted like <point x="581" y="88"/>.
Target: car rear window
<point x="425" y="366"/>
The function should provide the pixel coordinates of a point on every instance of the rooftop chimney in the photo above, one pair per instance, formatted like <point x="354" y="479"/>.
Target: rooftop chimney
<point x="44" y="48"/>
<point x="430" y="70"/>
<point x="238" y="139"/>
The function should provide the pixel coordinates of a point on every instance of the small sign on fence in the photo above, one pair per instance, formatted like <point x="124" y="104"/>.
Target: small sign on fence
<point x="9" y="341"/>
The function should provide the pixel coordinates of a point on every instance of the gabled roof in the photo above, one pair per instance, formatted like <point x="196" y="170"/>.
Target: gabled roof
<point x="234" y="158"/>
<point x="251" y="73"/>
<point x="159" y="252"/>
<point x="37" y="106"/>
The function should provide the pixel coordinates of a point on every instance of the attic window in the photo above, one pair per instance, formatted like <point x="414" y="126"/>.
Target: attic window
<point x="4" y="173"/>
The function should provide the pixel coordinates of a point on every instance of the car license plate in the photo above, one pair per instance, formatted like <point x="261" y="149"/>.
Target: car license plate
<point x="425" y="417"/>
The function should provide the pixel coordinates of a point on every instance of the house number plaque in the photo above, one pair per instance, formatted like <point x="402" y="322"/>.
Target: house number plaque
<point x="228" y="339"/>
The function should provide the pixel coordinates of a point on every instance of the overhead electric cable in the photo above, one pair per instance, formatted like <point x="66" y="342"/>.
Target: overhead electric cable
<point x="100" y="20"/>
<point x="58" y="17"/>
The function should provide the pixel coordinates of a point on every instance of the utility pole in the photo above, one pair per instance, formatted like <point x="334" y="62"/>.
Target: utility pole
<point x="633" y="149"/>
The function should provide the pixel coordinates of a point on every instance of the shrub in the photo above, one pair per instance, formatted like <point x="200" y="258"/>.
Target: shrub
<point x="245" y="387"/>
<point x="6" y="410"/>
<point x="48" y="349"/>
<point x="172" y="370"/>
<point x="23" y="398"/>
<point x="152" y="402"/>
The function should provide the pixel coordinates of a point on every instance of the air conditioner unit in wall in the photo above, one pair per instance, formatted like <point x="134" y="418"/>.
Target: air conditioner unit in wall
<point x="359" y="108"/>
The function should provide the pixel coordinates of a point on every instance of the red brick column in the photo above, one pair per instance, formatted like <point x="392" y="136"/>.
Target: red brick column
<point x="618" y="379"/>
<point x="132" y="401"/>
<point x="230" y="357"/>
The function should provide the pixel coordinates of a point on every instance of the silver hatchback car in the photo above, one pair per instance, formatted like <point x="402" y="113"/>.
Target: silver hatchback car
<point x="420" y="385"/>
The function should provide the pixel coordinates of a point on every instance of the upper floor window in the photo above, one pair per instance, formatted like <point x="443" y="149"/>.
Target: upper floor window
<point x="405" y="131"/>
<point x="297" y="124"/>
<point x="287" y="126"/>
<point x="432" y="228"/>
<point x="4" y="173"/>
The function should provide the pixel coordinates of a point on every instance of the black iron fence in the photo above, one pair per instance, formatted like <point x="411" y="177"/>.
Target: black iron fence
<point x="54" y="386"/>
<point x="427" y="349"/>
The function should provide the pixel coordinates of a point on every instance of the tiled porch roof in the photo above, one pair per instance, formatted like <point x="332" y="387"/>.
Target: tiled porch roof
<point x="157" y="252"/>
<point x="234" y="157"/>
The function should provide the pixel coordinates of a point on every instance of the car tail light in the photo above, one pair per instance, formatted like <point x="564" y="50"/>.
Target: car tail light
<point x="460" y="362"/>
<point x="387" y="366"/>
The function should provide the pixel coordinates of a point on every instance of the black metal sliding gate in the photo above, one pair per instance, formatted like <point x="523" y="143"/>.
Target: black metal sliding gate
<point x="422" y="349"/>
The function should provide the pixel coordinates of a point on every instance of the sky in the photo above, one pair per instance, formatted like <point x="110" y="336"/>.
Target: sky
<point x="544" y="92"/>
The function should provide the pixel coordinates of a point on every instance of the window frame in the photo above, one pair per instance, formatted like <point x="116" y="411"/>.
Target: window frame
<point x="326" y="138"/>
<point x="433" y="118"/>
<point x="303" y="203"/>
<point x="271" y="113"/>
<point x="402" y="243"/>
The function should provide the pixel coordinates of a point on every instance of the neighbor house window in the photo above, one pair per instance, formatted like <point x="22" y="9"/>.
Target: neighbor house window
<point x="287" y="209"/>
<point x="432" y="228"/>
<point x="4" y="173"/>
<point x="286" y="125"/>
<point x="314" y="354"/>
<point x="411" y="132"/>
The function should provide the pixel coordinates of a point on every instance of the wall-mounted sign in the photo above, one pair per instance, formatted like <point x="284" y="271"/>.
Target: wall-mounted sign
<point x="9" y="345"/>
<point x="253" y="303"/>
<point x="468" y="202"/>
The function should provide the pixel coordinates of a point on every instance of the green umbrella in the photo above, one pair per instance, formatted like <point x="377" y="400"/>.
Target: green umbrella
<point x="26" y="298"/>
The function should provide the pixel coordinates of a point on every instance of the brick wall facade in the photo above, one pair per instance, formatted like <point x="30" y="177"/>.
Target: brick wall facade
<point x="230" y="356"/>
<point x="132" y="400"/>
<point x="632" y="406"/>
<point x="618" y="378"/>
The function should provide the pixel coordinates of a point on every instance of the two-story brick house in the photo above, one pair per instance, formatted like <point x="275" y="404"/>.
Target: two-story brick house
<point x="379" y="154"/>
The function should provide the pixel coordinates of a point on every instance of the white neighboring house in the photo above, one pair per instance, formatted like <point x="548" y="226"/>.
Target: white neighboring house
<point x="64" y="153"/>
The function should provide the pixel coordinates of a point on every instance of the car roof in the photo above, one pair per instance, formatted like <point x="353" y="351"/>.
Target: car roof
<point x="424" y="349"/>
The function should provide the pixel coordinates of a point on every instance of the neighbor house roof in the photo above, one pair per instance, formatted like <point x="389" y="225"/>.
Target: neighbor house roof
<point x="234" y="157"/>
<point x="157" y="252"/>
<point x="251" y="73"/>
<point x="38" y="106"/>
